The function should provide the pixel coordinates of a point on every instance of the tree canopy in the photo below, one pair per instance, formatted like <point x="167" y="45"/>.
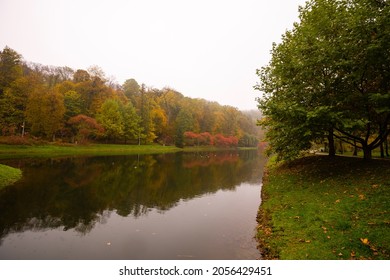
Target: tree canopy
<point x="329" y="78"/>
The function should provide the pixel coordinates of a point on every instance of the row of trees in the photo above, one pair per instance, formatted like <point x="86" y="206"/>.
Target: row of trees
<point x="329" y="79"/>
<point x="206" y="139"/>
<point x="84" y="105"/>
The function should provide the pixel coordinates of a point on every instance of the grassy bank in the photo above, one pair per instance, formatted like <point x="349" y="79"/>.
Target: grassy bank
<point x="52" y="150"/>
<point x="9" y="175"/>
<point x="318" y="208"/>
<point x="23" y="151"/>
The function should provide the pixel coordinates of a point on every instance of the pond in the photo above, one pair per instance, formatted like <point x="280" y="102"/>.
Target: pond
<point x="167" y="206"/>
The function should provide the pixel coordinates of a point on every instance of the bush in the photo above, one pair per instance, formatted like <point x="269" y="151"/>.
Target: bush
<point x="19" y="140"/>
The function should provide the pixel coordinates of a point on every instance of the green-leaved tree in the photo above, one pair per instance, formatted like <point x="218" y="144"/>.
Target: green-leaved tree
<point x="329" y="77"/>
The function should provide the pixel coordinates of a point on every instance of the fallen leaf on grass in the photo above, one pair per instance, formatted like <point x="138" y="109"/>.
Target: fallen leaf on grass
<point x="267" y="231"/>
<point x="361" y="196"/>
<point x="373" y="249"/>
<point x="365" y="241"/>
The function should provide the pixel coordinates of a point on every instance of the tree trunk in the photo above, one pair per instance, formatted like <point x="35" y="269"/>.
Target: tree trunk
<point x="387" y="147"/>
<point x="332" y="149"/>
<point x="382" y="151"/>
<point x="367" y="152"/>
<point x="355" y="149"/>
<point x="23" y="125"/>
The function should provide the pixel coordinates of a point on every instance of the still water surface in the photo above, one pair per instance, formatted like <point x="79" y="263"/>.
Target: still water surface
<point x="173" y="206"/>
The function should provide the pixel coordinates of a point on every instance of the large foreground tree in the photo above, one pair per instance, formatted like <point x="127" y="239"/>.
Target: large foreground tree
<point x="329" y="77"/>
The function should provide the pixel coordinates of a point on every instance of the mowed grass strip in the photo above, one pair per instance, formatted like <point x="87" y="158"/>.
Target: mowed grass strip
<point x="52" y="150"/>
<point x="9" y="175"/>
<point x="322" y="208"/>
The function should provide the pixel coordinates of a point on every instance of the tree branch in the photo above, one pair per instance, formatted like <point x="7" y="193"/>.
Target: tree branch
<point x="380" y="139"/>
<point x="346" y="140"/>
<point x="350" y="136"/>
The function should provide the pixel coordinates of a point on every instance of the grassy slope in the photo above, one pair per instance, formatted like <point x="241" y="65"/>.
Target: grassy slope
<point x="9" y="175"/>
<point x="316" y="208"/>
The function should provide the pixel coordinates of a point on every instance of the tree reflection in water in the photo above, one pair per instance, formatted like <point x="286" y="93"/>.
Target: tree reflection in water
<point x="75" y="193"/>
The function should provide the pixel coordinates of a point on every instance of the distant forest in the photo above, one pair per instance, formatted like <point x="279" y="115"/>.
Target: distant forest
<point x="79" y="106"/>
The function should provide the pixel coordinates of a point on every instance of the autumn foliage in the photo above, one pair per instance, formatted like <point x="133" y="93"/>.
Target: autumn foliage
<point x="84" y="127"/>
<point x="61" y="104"/>
<point x="206" y="139"/>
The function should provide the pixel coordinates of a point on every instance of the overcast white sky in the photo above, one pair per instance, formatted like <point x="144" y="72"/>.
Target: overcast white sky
<point x="202" y="48"/>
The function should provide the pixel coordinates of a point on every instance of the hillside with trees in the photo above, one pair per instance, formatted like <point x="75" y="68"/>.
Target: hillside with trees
<point x="80" y="106"/>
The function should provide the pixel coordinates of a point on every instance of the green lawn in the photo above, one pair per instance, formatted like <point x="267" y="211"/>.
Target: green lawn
<point x="318" y="208"/>
<point x="53" y="150"/>
<point x="18" y="151"/>
<point x="9" y="175"/>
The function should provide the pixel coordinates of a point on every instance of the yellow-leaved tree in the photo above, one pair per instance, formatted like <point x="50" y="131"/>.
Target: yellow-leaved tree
<point x="45" y="111"/>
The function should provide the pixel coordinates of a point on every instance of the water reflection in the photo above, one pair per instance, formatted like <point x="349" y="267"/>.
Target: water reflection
<point x="79" y="193"/>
